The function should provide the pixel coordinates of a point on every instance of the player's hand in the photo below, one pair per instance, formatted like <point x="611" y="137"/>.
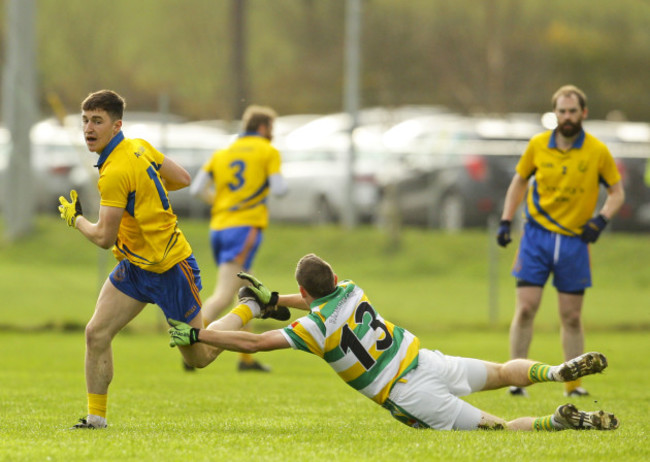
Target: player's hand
<point x="593" y="228"/>
<point x="70" y="210"/>
<point x="182" y="334"/>
<point x="503" y="235"/>
<point x="264" y="295"/>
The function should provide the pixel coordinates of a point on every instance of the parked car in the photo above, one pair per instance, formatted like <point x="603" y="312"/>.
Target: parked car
<point x="317" y="167"/>
<point x="58" y="163"/>
<point x="454" y="171"/>
<point x="317" y="180"/>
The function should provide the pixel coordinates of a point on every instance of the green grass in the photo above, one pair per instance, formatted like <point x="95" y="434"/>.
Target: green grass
<point x="436" y="285"/>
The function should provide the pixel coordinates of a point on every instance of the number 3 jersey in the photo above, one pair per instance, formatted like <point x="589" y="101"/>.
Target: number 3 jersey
<point x="148" y="236"/>
<point x="240" y="174"/>
<point x="368" y="352"/>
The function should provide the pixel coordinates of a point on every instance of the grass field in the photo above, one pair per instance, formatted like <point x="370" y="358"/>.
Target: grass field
<point x="436" y="285"/>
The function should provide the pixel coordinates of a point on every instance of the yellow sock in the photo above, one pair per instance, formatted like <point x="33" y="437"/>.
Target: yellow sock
<point x="246" y="358"/>
<point x="244" y="312"/>
<point x="543" y="424"/>
<point x="97" y="404"/>
<point x="539" y="372"/>
<point x="570" y="386"/>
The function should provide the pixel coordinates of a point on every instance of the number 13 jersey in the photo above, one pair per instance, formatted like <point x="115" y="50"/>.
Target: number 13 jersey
<point x="369" y="353"/>
<point x="148" y="236"/>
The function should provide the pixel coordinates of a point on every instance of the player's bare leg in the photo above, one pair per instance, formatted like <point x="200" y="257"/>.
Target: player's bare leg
<point x="512" y="373"/>
<point x="491" y="422"/>
<point x="113" y="311"/>
<point x="227" y="286"/>
<point x="199" y="355"/>
<point x="521" y="327"/>
<point x="565" y="417"/>
<point x="524" y="372"/>
<point x="570" y="310"/>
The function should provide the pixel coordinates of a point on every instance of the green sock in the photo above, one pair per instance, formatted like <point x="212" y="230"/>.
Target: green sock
<point x="544" y="424"/>
<point x="539" y="372"/>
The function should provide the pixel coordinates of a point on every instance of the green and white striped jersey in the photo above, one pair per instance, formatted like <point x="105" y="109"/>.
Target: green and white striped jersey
<point x="368" y="352"/>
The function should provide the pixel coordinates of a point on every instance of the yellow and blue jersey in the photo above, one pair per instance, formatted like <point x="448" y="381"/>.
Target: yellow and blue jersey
<point x="563" y="192"/>
<point x="148" y="236"/>
<point x="369" y="353"/>
<point x="240" y="174"/>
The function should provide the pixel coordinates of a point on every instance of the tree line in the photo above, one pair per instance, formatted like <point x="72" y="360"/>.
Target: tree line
<point x="468" y="55"/>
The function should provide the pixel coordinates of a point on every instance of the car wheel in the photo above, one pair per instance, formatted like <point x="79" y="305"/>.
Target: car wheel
<point x="451" y="212"/>
<point x="323" y="212"/>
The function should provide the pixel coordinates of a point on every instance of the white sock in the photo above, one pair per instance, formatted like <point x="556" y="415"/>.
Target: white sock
<point x="252" y="304"/>
<point x="96" y="420"/>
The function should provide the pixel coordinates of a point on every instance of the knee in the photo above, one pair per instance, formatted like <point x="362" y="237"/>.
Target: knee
<point x="526" y="313"/>
<point x="572" y="321"/>
<point x="96" y="337"/>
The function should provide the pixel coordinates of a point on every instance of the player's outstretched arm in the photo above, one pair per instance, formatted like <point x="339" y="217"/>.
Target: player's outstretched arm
<point x="182" y="334"/>
<point x="293" y="301"/>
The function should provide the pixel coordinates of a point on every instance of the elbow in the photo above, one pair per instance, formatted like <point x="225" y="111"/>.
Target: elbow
<point x="105" y="244"/>
<point x="185" y="180"/>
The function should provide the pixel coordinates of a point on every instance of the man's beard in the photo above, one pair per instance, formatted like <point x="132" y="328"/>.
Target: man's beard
<point x="570" y="129"/>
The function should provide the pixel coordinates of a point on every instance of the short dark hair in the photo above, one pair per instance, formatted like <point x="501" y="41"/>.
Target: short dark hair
<point x="256" y="116"/>
<point x="106" y="100"/>
<point x="316" y="276"/>
<point x="568" y="90"/>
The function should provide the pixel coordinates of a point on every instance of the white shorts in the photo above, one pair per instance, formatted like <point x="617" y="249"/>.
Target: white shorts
<point x="428" y="396"/>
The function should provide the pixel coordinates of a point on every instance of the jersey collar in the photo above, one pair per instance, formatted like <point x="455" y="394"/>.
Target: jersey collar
<point x="577" y="144"/>
<point x="117" y="139"/>
<point x="241" y="135"/>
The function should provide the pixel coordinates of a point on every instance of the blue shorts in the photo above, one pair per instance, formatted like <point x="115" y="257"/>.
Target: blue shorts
<point x="176" y="291"/>
<point x="238" y="244"/>
<point x="542" y="252"/>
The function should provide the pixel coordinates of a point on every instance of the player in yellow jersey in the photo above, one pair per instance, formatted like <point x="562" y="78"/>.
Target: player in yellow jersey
<point x="384" y="362"/>
<point x="236" y="181"/>
<point x="137" y="221"/>
<point x="558" y="176"/>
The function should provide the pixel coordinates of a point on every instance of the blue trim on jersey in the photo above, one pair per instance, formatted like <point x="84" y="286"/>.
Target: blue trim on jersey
<point x="243" y="134"/>
<point x="117" y="139"/>
<point x="577" y="144"/>
<point x="241" y="205"/>
<point x="539" y="208"/>
<point x="170" y="243"/>
<point x="130" y="203"/>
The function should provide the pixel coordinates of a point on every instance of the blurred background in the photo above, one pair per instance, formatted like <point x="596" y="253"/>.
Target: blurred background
<point x="391" y="113"/>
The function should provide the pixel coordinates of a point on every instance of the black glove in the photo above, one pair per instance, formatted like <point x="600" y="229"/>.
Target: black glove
<point x="279" y="312"/>
<point x="503" y="235"/>
<point x="593" y="228"/>
<point x="263" y="294"/>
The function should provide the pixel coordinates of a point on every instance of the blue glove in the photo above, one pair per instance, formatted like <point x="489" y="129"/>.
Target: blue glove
<point x="503" y="235"/>
<point x="593" y="228"/>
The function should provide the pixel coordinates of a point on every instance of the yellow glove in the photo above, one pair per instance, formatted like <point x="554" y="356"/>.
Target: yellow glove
<point x="70" y="210"/>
